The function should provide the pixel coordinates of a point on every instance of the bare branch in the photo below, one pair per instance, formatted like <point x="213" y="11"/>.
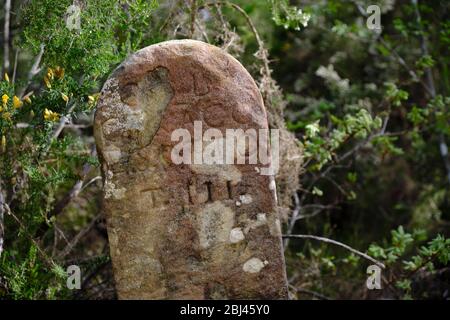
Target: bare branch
<point x="193" y="16"/>
<point x="15" y="66"/>
<point x="310" y="292"/>
<point x="202" y="30"/>
<point x="24" y="125"/>
<point x="293" y="219"/>
<point x="340" y="244"/>
<point x="77" y="238"/>
<point x="33" y="71"/>
<point x="62" y="122"/>
<point x="85" y="185"/>
<point x="319" y="209"/>
<point x="173" y="5"/>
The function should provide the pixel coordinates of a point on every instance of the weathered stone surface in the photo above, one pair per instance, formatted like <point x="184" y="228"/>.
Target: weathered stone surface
<point x="185" y="231"/>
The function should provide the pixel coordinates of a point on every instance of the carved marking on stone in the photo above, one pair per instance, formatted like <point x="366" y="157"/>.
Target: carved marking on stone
<point x="200" y="84"/>
<point x="154" y="197"/>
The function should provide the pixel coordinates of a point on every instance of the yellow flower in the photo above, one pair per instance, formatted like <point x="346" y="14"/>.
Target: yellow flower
<point x="47" y="82"/>
<point x="91" y="99"/>
<point x="3" y="143"/>
<point x="64" y="97"/>
<point x="6" y="77"/>
<point x="49" y="115"/>
<point x="59" y="72"/>
<point x="16" y="102"/>
<point x="5" y="99"/>
<point x="50" y="73"/>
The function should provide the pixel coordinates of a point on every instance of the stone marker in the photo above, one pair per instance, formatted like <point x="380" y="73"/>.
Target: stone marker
<point x="185" y="231"/>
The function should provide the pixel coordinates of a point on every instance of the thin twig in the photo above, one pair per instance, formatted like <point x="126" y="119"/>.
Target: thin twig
<point x="340" y="244"/>
<point x="15" y="66"/>
<point x="46" y="258"/>
<point x="402" y="62"/>
<point x="203" y="32"/>
<point x="85" y="185"/>
<point x="221" y="17"/>
<point x="319" y="209"/>
<point x="58" y="233"/>
<point x="193" y="16"/>
<point x="23" y="125"/>
<point x="169" y="16"/>
<point x="62" y="122"/>
<point x="228" y="40"/>
<point x="85" y="260"/>
<point x="295" y="213"/>
<point x="69" y="247"/>
<point x="310" y="292"/>
<point x="33" y="71"/>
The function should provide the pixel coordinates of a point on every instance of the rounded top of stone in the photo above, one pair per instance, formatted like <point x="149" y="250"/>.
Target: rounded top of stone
<point x="180" y="44"/>
<point x="165" y="54"/>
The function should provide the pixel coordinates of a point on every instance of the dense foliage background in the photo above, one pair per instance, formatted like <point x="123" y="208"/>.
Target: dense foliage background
<point x="368" y="115"/>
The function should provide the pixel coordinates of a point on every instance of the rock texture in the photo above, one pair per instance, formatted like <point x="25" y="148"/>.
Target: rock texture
<point x="185" y="231"/>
